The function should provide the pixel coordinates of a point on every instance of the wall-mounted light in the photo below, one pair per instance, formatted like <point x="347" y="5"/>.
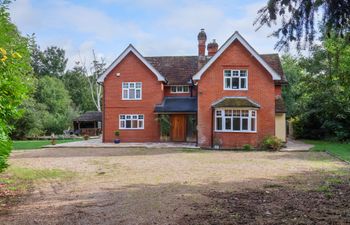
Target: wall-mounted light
<point x="117" y="74"/>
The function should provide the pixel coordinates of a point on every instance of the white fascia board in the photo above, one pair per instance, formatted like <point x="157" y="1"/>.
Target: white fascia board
<point x="129" y="49"/>
<point x="237" y="36"/>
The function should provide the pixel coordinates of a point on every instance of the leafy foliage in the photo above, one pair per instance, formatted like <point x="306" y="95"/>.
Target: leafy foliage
<point x="77" y="85"/>
<point x="320" y="95"/>
<point x="298" y="19"/>
<point x="50" y="62"/>
<point x="272" y="143"/>
<point x="15" y="78"/>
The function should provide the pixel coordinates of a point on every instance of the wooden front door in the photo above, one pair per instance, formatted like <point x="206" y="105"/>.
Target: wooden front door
<point x="178" y="128"/>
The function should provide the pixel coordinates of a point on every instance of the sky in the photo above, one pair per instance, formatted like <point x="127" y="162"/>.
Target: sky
<point x="154" y="27"/>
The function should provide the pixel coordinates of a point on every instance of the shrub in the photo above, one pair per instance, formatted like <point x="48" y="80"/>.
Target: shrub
<point x="117" y="133"/>
<point x="247" y="147"/>
<point x="272" y="143"/>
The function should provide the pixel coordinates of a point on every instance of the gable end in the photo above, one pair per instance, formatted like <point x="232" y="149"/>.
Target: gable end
<point x="237" y="36"/>
<point x="129" y="49"/>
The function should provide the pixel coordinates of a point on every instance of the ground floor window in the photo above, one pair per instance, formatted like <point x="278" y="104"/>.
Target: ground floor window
<point x="235" y="120"/>
<point x="131" y="121"/>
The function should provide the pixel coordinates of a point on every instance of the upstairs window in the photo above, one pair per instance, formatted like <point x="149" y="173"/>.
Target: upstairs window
<point x="235" y="79"/>
<point x="132" y="90"/>
<point x="179" y="89"/>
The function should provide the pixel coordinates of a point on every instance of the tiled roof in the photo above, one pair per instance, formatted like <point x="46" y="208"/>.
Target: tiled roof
<point x="176" y="69"/>
<point x="180" y="69"/>
<point x="274" y="61"/>
<point x="177" y="104"/>
<point x="90" y="116"/>
<point x="239" y="102"/>
<point x="280" y="107"/>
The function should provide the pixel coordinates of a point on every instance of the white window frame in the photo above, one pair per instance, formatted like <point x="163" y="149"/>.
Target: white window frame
<point x="239" y="79"/>
<point x="251" y="113"/>
<point x="132" y="117"/>
<point x="129" y="84"/>
<point x="179" y="89"/>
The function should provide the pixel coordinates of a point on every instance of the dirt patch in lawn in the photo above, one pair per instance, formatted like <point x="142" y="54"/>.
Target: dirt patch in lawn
<point x="324" y="199"/>
<point x="163" y="186"/>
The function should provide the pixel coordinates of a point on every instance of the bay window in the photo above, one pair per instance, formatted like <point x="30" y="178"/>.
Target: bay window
<point x="235" y="120"/>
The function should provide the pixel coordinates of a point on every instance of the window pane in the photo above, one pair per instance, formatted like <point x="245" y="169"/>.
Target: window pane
<point x="134" y="124"/>
<point x="125" y="93"/>
<point x="138" y="94"/>
<point x="218" y="112"/>
<point x="131" y="93"/>
<point x="185" y="88"/>
<point x="122" y="116"/>
<point x="128" y="117"/>
<point x="253" y="113"/>
<point x="179" y="88"/>
<point x="138" y="85"/>
<point x="235" y="83"/>
<point x="252" y="124"/>
<point x="128" y="124"/>
<point x="243" y="83"/>
<point x="244" y="123"/>
<point x="227" y="82"/>
<point x="173" y="88"/>
<point x="122" y="124"/>
<point x="140" y="117"/>
<point x="245" y="113"/>
<point x="236" y="124"/>
<point x="140" y="124"/>
<point x="134" y="116"/>
<point x="218" y="123"/>
<point x="131" y="85"/>
<point x="235" y="73"/>
<point x="125" y="85"/>
<point x="236" y="112"/>
<point x="243" y="73"/>
<point x="227" y="73"/>
<point x="228" y="123"/>
<point x="228" y="112"/>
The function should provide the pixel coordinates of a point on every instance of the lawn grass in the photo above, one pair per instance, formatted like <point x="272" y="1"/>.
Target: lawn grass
<point x="35" y="144"/>
<point x="21" y="179"/>
<point x="342" y="150"/>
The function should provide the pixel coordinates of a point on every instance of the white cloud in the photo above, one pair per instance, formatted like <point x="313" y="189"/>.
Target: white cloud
<point x="79" y="28"/>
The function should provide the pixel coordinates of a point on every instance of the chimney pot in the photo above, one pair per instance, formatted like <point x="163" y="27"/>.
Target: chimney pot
<point x="212" y="48"/>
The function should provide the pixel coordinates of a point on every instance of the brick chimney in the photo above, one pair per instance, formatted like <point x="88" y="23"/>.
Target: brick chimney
<point x="202" y="38"/>
<point x="212" y="48"/>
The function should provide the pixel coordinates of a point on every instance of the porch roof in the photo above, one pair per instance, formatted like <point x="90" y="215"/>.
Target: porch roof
<point x="177" y="105"/>
<point x="239" y="102"/>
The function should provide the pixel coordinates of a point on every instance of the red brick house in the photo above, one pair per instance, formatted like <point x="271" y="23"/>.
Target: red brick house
<point x="230" y="96"/>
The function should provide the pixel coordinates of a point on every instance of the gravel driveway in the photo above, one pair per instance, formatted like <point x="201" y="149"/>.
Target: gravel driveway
<point x="147" y="186"/>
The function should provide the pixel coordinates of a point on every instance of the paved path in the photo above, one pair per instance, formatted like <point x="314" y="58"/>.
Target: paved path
<point x="97" y="143"/>
<point x="296" y="145"/>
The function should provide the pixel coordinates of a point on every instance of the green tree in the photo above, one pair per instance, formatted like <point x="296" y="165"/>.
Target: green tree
<point x="50" y="62"/>
<point x="52" y="93"/>
<point x="15" y="77"/>
<point x="298" y="20"/>
<point x="77" y="84"/>
<point x="322" y="92"/>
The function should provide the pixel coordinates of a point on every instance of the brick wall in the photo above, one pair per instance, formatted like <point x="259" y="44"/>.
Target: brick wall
<point x="261" y="89"/>
<point x="131" y="69"/>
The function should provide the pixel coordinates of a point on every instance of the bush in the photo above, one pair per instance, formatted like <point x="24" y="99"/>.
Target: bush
<point x="272" y="143"/>
<point x="247" y="147"/>
<point x="5" y="149"/>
